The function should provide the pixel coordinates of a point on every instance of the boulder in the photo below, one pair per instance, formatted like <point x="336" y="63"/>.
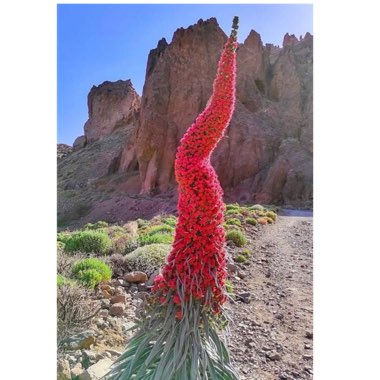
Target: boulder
<point x="119" y="298"/>
<point x="136" y="277"/>
<point x="117" y="309"/>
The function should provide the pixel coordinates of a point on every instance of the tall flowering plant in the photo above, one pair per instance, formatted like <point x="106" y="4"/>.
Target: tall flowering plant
<point x="177" y="338"/>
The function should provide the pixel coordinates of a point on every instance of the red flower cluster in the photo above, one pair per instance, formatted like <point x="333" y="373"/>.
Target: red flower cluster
<point x="196" y="265"/>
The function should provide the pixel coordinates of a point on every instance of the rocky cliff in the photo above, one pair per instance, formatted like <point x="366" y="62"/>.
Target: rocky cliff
<point x="266" y="154"/>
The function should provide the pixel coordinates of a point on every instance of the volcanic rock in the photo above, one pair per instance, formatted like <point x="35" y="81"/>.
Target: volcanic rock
<point x="111" y="105"/>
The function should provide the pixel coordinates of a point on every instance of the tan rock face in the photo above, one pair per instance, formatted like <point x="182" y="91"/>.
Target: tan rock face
<point x="111" y="105"/>
<point x="274" y="103"/>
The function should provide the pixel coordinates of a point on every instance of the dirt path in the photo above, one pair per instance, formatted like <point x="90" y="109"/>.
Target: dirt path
<point x="271" y="329"/>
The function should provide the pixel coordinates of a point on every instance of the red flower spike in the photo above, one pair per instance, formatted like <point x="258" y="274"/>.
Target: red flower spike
<point x="198" y="256"/>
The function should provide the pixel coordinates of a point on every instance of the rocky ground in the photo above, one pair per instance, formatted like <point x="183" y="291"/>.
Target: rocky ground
<point x="271" y="334"/>
<point x="271" y="330"/>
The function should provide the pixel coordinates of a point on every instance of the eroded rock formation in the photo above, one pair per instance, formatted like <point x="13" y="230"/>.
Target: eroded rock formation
<point x="266" y="155"/>
<point x="111" y="106"/>
<point x="273" y="113"/>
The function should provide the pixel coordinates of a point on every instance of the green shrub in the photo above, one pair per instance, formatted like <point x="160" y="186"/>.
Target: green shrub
<point x="148" y="258"/>
<point x="114" y="231"/>
<point x="233" y="206"/>
<point x="237" y="237"/>
<point x="88" y="241"/>
<point x="269" y="220"/>
<point x="170" y="220"/>
<point x="91" y="272"/>
<point x="246" y="252"/>
<point x="240" y="258"/>
<point x="232" y="212"/>
<point x="233" y="221"/>
<point x="272" y="215"/>
<point x="251" y="221"/>
<point x="130" y="245"/>
<point x="257" y="207"/>
<point x="245" y="211"/>
<point x="142" y="222"/>
<point x="62" y="280"/>
<point x="60" y="246"/>
<point x="159" y="234"/>
<point x="229" y="288"/>
<point x="160" y="229"/>
<point x="100" y="224"/>
<point x="63" y="237"/>
<point x="88" y="226"/>
<point x="95" y="226"/>
<point x="157" y="238"/>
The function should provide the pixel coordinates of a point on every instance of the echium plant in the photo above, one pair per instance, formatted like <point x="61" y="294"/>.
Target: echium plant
<point x="177" y="338"/>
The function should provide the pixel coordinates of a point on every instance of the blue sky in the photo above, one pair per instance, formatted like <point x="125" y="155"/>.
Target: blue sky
<point x="98" y="42"/>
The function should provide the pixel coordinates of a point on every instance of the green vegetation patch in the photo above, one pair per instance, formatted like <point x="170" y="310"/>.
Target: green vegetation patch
<point x="232" y="212"/>
<point x="240" y="258"/>
<point x="158" y="238"/>
<point x="62" y="280"/>
<point x="257" y="207"/>
<point x="237" y="237"/>
<point x="90" y="272"/>
<point x="158" y="234"/>
<point x="88" y="241"/>
<point x="148" y="258"/>
<point x="251" y="221"/>
<point x="170" y="220"/>
<point x="233" y="221"/>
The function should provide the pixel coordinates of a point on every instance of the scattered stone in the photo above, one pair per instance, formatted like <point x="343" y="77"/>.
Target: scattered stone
<point x="89" y="358"/>
<point x="106" y="287"/>
<point x="309" y="334"/>
<point x="105" y="294"/>
<point x="98" y="370"/>
<point x="142" y="287"/>
<point x="241" y="274"/>
<point x="133" y="289"/>
<point x="104" y="313"/>
<point x="76" y="371"/>
<point x="105" y="303"/>
<point x="140" y="295"/>
<point x="118" y="298"/>
<point x="274" y="356"/>
<point x="81" y="341"/>
<point x="307" y="357"/>
<point x="117" y="309"/>
<point x="119" y="290"/>
<point x="63" y="370"/>
<point x="244" y="297"/>
<point x="114" y="352"/>
<point x="232" y="268"/>
<point x="279" y="316"/>
<point x="136" y="277"/>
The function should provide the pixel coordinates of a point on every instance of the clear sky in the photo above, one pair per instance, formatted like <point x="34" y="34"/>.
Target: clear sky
<point x="99" y="42"/>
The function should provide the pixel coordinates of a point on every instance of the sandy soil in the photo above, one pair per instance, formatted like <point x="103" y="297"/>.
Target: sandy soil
<point x="271" y="334"/>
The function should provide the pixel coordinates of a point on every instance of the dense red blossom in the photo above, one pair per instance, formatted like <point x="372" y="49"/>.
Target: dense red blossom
<point x="197" y="262"/>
